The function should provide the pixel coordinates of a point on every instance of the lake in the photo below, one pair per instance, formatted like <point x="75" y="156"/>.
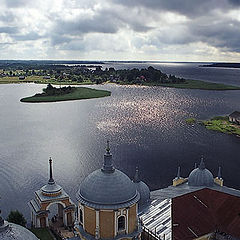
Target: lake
<point x="145" y="125"/>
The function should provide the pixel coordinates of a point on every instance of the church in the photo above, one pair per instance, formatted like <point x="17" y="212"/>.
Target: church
<point x="112" y="206"/>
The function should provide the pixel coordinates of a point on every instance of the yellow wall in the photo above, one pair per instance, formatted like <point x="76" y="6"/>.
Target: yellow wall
<point x="178" y="181"/>
<point x="218" y="181"/>
<point x="106" y="223"/>
<point x="89" y="220"/>
<point x="132" y="218"/>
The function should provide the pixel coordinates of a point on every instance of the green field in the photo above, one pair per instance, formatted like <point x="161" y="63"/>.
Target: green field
<point x="196" y="84"/>
<point x="222" y="124"/>
<point x="40" y="80"/>
<point x="42" y="233"/>
<point x="77" y="94"/>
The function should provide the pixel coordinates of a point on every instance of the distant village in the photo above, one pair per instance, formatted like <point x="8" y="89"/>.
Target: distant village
<point x="86" y="73"/>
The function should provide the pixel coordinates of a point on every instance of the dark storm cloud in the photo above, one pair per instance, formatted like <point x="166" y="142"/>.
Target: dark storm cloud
<point x="190" y="8"/>
<point x="204" y="24"/>
<point x="105" y="21"/>
<point x="234" y="2"/>
<point x="103" y="24"/>
<point x="16" y="3"/>
<point x="221" y="34"/>
<point x="99" y="23"/>
<point x="9" y="30"/>
<point x="26" y="37"/>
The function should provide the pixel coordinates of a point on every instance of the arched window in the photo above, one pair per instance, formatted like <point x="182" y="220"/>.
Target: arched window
<point x="121" y="223"/>
<point x="81" y="216"/>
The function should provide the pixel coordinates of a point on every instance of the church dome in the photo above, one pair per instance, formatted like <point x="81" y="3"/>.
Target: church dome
<point x="201" y="176"/>
<point x="11" y="231"/>
<point x="143" y="190"/>
<point x="107" y="187"/>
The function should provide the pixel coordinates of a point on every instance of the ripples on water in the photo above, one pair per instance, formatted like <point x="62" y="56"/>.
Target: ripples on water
<point x="146" y="127"/>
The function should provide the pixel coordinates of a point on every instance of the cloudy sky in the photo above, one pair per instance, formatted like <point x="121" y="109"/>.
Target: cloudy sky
<point x="165" y="30"/>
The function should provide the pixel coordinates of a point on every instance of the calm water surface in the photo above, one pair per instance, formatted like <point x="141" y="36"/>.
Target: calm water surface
<point x="146" y="127"/>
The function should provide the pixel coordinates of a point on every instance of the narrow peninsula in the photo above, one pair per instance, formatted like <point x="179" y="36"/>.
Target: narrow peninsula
<point x="53" y="94"/>
<point x="222" y="65"/>
<point x="225" y="124"/>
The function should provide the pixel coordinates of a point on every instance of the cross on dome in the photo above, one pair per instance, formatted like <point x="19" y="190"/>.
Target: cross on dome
<point x="202" y="164"/>
<point x="108" y="163"/>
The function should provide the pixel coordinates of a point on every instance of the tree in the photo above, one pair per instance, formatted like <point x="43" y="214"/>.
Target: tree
<point x="49" y="89"/>
<point x="17" y="217"/>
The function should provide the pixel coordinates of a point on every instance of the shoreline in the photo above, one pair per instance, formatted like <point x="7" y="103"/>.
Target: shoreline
<point x="191" y="84"/>
<point x="188" y="84"/>
<point x="219" y="124"/>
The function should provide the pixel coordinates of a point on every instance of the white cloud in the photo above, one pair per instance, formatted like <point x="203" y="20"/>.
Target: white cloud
<point x="120" y="29"/>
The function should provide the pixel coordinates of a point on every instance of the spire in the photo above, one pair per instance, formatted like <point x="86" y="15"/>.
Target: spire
<point x="108" y="164"/>
<point x="51" y="180"/>
<point x="195" y="165"/>
<point x="136" y="178"/>
<point x="108" y="148"/>
<point x="219" y="173"/>
<point x="202" y="164"/>
<point x="179" y="172"/>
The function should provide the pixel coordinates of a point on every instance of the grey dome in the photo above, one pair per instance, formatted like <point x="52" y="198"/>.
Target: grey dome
<point x="51" y="188"/>
<point x="11" y="231"/>
<point x="143" y="190"/>
<point x="201" y="177"/>
<point x="106" y="188"/>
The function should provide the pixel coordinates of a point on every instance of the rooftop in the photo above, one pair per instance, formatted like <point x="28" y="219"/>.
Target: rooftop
<point x="235" y="114"/>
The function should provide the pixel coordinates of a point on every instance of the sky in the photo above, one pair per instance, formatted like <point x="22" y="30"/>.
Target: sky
<point x="163" y="30"/>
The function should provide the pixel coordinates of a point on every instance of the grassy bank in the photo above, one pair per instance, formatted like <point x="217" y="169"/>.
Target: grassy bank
<point x="196" y="84"/>
<point x="42" y="233"/>
<point x="40" y="80"/>
<point x="77" y="94"/>
<point x="221" y="124"/>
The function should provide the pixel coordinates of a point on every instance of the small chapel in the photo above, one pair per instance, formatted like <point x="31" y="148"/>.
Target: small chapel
<point x="51" y="194"/>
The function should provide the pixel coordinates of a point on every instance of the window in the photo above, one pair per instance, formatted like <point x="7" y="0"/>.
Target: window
<point x="121" y="223"/>
<point x="80" y="216"/>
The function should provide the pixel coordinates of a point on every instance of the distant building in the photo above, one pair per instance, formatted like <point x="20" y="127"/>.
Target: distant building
<point x="21" y="77"/>
<point x="234" y="117"/>
<point x="46" y="77"/>
<point x="197" y="207"/>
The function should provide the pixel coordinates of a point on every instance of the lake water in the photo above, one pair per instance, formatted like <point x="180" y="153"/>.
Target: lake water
<point x="145" y="125"/>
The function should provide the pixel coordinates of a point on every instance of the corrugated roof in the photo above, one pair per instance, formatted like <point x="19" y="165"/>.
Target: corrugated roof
<point x="204" y="211"/>
<point x="157" y="218"/>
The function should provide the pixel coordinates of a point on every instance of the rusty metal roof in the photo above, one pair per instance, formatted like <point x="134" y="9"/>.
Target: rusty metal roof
<point x="204" y="211"/>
